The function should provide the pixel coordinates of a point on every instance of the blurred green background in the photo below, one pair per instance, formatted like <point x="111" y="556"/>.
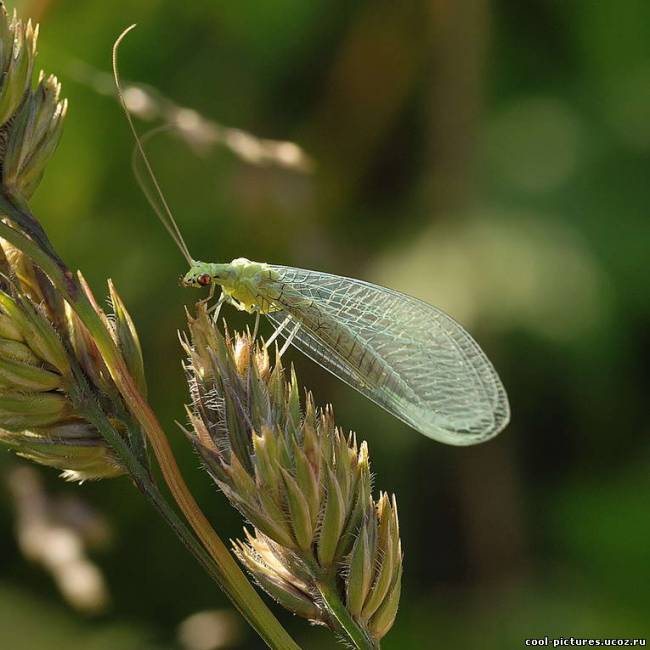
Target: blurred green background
<point x="491" y="158"/>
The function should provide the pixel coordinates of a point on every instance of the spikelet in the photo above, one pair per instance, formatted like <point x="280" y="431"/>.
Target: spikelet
<point x="303" y="484"/>
<point x="31" y="119"/>
<point x="41" y="341"/>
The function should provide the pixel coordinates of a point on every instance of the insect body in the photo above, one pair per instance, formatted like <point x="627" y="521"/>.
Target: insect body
<point x="405" y="355"/>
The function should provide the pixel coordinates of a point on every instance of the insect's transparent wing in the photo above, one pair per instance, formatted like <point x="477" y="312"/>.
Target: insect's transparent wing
<point x="407" y="356"/>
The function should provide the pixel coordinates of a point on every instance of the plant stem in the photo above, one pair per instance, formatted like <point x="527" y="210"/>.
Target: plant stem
<point x="230" y="577"/>
<point x="87" y="407"/>
<point x="343" y="622"/>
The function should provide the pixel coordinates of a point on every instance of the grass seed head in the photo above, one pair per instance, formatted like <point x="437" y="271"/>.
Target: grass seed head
<point x="31" y="119"/>
<point x="17" y="53"/>
<point x="41" y="343"/>
<point x="301" y="482"/>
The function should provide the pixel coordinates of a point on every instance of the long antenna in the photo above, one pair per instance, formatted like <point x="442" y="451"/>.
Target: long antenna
<point x="165" y="215"/>
<point x="142" y="177"/>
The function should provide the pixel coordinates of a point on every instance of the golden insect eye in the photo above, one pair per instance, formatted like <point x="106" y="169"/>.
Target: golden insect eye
<point x="204" y="280"/>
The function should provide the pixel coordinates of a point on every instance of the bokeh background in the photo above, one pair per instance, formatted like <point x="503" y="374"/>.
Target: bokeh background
<point x="491" y="158"/>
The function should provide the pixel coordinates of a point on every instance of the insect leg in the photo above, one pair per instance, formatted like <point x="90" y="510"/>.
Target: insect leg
<point x="287" y="343"/>
<point x="206" y="300"/>
<point x="216" y="308"/>
<point x="251" y="350"/>
<point x="278" y="329"/>
<point x="257" y="325"/>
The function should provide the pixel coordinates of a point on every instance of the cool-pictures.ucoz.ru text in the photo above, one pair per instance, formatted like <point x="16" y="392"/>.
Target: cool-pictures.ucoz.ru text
<point x="563" y="642"/>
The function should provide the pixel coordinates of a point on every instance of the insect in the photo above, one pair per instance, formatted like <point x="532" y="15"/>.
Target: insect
<point x="404" y="354"/>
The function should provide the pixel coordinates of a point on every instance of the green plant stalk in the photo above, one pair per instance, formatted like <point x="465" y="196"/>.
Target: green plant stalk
<point x="87" y="407"/>
<point x="343" y="621"/>
<point x="230" y="577"/>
